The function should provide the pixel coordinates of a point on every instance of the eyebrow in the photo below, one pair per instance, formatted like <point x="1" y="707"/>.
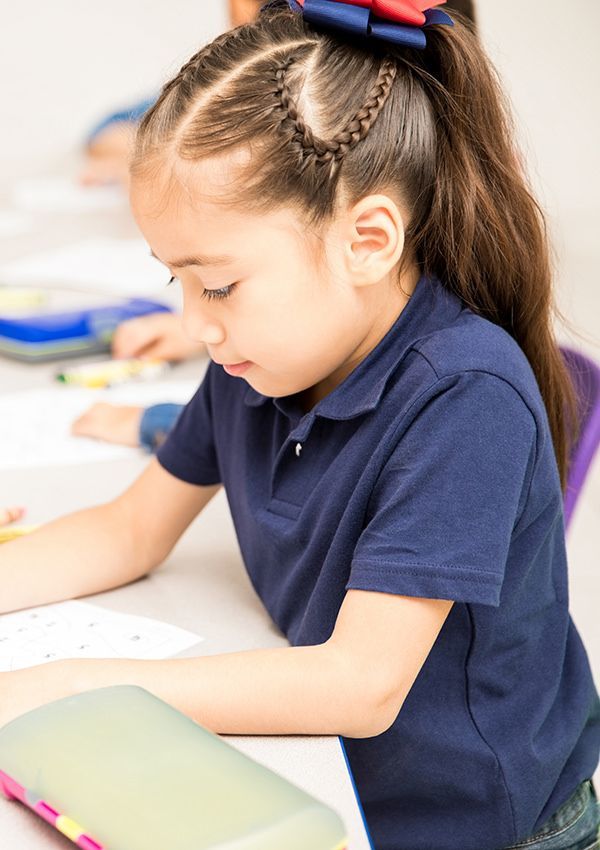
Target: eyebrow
<point x="197" y="260"/>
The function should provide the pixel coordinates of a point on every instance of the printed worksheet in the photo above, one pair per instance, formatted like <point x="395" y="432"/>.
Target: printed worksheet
<point x="35" y="425"/>
<point x="80" y="630"/>
<point x="14" y="223"/>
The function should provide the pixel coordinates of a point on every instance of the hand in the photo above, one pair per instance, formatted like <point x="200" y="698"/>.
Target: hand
<point x="111" y="423"/>
<point x="8" y="515"/>
<point x="157" y="336"/>
<point x="107" y="156"/>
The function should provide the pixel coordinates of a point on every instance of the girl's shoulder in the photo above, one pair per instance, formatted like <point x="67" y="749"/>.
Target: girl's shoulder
<point x="471" y="345"/>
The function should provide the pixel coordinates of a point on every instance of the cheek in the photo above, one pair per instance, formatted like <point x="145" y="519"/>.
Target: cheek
<point x="300" y="334"/>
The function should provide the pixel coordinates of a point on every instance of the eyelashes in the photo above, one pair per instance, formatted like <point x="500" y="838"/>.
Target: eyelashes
<point x="218" y="294"/>
<point x="212" y="294"/>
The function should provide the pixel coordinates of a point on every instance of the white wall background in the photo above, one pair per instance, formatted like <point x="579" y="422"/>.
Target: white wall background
<point x="65" y="63"/>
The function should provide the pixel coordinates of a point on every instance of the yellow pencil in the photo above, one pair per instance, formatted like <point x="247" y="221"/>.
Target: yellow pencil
<point x="7" y="534"/>
<point x="111" y="372"/>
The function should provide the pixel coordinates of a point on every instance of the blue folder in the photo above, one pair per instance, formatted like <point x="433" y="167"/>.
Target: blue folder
<point x="55" y="335"/>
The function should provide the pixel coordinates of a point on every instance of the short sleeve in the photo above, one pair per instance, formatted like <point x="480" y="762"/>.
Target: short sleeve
<point x="189" y="451"/>
<point x="443" y="511"/>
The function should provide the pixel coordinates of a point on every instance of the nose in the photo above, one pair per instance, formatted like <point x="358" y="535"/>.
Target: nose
<point x="199" y="325"/>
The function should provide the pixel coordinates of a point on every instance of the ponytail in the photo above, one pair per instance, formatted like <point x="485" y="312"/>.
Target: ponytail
<point x="485" y="235"/>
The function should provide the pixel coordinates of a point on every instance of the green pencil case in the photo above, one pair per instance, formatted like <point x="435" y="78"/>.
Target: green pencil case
<point x="119" y="769"/>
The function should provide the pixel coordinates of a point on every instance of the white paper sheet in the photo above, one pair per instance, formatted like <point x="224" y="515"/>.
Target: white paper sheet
<point x="35" y="424"/>
<point x="13" y="223"/>
<point x="80" y="630"/>
<point x="61" y="194"/>
<point x="122" y="266"/>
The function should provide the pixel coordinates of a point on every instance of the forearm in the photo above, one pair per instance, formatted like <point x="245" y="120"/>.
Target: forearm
<point x="284" y="691"/>
<point x="354" y="684"/>
<point x="80" y="554"/>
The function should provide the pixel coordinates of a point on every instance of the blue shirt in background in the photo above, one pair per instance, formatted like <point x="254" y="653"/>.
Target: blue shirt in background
<point x="430" y="472"/>
<point x="132" y="114"/>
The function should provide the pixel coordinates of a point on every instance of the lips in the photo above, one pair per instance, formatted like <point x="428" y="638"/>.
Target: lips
<point x="236" y="369"/>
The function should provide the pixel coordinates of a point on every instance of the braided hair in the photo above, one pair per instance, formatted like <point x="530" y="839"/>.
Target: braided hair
<point x="324" y="120"/>
<point x="333" y="149"/>
<point x="273" y="61"/>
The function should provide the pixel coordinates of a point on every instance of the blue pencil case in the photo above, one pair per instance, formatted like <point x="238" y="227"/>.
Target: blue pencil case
<point x="119" y="769"/>
<point x="56" y="335"/>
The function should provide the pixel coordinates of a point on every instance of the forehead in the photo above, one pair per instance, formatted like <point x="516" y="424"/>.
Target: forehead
<point x="176" y="187"/>
<point x="186" y="207"/>
<point x="203" y="198"/>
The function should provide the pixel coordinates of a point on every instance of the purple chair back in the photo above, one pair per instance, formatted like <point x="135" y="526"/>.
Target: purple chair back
<point x="585" y="375"/>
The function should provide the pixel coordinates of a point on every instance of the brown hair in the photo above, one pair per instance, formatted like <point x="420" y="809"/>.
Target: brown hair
<point x="322" y="116"/>
<point x="466" y="8"/>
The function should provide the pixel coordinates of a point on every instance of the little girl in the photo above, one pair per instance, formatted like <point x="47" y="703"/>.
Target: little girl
<point x="336" y="188"/>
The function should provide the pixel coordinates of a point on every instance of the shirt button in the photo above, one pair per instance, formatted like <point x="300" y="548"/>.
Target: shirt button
<point x="298" y="449"/>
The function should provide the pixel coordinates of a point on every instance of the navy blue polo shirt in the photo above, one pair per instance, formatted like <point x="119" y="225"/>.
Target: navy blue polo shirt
<point x="429" y="472"/>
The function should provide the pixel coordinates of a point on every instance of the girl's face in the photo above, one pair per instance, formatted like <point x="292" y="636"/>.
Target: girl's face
<point x="243" y="11"/>
<point x="254" y="291"/>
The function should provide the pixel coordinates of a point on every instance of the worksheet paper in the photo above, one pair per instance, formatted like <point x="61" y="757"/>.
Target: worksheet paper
<point x="80" y="630"/>
<point x="63" y="194"/>
<point x="100" y="264"/>
<point x="35" y="425"/>
<point x="13" y="223"/>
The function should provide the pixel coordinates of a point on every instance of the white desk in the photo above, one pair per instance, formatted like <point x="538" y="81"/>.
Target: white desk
<point x="202" y="587"/>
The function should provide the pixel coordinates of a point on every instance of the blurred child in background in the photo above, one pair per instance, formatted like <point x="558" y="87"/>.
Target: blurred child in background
<point x="108" y="145"/>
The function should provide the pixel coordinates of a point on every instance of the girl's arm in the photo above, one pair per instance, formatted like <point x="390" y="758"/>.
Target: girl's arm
<point x="102" y="547"/>
<point x="352" y="685"/>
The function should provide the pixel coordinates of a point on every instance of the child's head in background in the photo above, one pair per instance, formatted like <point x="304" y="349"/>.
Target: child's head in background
<point x="325" y="176"/>
<point x="243" y="11"/>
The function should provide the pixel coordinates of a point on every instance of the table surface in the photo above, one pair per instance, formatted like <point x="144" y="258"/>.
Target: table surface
<point x="202" y="586"/>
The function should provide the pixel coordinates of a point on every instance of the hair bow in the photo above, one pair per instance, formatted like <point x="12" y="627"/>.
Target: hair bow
<point x="397" y="21"/>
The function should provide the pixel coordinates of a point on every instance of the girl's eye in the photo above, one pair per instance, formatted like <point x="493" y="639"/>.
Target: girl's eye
<point x="212" y="294"/>
<point x="218" y="294"/>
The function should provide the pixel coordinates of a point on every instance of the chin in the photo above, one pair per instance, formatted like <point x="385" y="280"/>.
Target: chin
<point x="273" y="388"/>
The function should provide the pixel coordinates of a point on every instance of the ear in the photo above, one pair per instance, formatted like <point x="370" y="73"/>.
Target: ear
<point x="374" y="240"/>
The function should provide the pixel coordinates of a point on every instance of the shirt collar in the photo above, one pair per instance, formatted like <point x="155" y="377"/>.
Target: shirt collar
<point x="362" y="390"/>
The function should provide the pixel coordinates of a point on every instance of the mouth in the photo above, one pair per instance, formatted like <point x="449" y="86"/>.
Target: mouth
<point x="236" y="369"/>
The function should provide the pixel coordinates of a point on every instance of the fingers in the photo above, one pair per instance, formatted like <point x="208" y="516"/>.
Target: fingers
<point x="159" y="335"/>
<point x="133" y="338"/>
<point x="8" y="515"/>
<point x="82" y="425"/>
<point x="110" y="423"/>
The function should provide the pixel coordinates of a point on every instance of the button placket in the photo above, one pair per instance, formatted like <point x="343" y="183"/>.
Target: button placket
<point x="285" y="480"/>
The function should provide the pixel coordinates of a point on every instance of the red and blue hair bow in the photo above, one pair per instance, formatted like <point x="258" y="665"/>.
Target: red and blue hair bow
<point x="400" y="22"/>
